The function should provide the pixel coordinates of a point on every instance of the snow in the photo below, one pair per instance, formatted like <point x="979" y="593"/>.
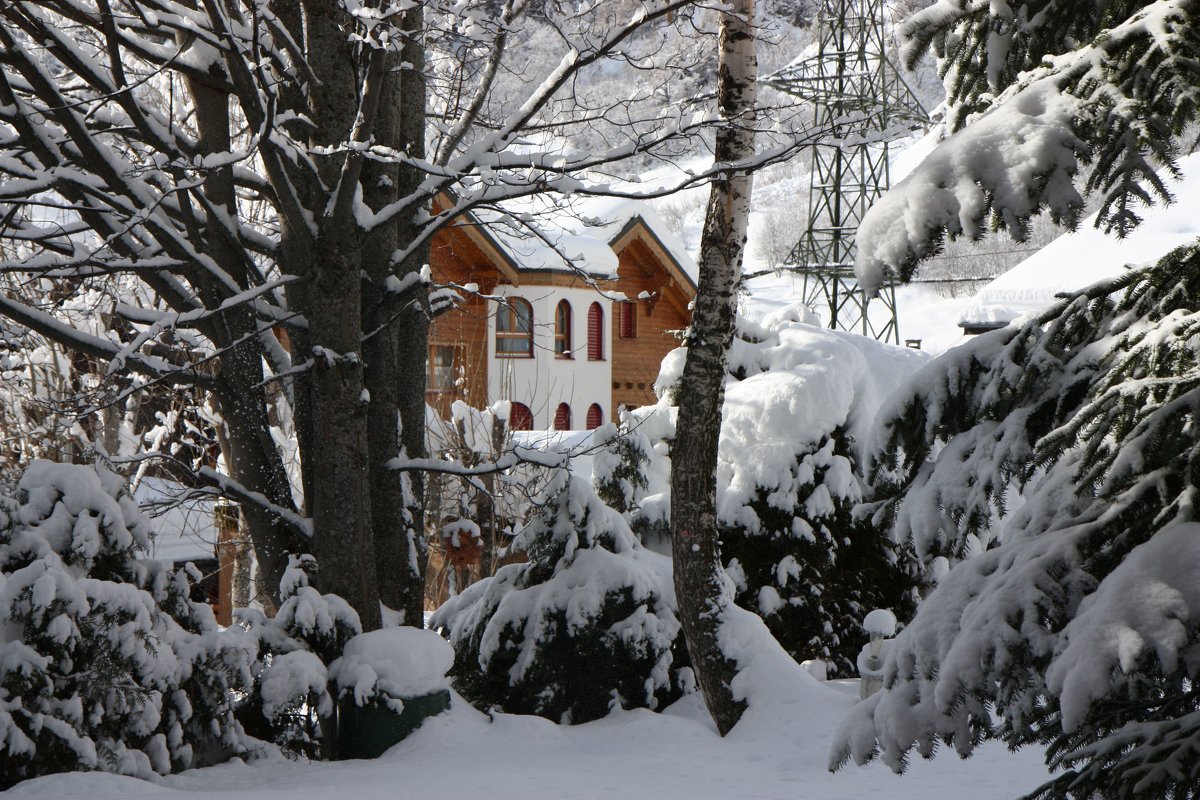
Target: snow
<point x="881" y="622"/>
<point x="292" y="675"/>
<point x="393" y="662"/>
<point x="993" y="163"/>
<point x="184" y="530"/>
<point x="1145" y="604"/>
<point x="777" y="752"/>
<point x="552" y="233"/>
<point x="1088" y="255"/>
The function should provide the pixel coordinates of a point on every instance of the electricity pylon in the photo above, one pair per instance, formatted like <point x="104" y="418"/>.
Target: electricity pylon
<point x="858" y="96"/>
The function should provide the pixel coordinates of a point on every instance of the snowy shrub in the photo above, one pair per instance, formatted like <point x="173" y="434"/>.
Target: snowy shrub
<point x="1075" y="621"/>
<point x="807" y="567"/>
<point x="104" y="661"/>
<point x="619" y="469"/>
<point x="295" y="648"/>
<point x="787" y="480"/>
<point x="586" y="624"/>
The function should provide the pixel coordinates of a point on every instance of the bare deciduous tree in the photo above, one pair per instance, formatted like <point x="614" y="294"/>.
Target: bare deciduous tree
<point x="258" y="170"/>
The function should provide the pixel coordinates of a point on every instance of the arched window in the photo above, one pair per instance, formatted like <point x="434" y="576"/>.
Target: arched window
<point x="595" y="416"/>
<point x="520" y="418"/>
<point x="595" y="333"/>
<point x="514" y="328"/>
<point x="562" y="417"/>
<point x="562" y="329"/>
<point x="628" y="310"/>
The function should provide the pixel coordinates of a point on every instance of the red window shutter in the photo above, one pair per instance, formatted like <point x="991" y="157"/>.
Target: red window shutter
<point x="595" y="416"/>
<point x="562" y="417"/>
<point x="520" y="418"/>
<point x="595" y="333"/>
<point x="628" y="319"/>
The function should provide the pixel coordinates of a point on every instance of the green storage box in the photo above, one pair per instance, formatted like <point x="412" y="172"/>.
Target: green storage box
<point x="369" y="731"/>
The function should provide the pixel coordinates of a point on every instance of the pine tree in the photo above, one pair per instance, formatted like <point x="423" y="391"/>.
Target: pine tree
<point x="787" y="484"/>
<point x="104" y="661"/>
<point x="1029" y="107"/>
<point x="587" y="624"/>
<point x="1075" y="619"/>
<point x="807" y="566"/>
<point x="1055" y="460"/>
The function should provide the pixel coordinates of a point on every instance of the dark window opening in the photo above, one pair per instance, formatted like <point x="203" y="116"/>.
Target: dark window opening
<point x="562" y="329"/>
<point x="562" y="417"/>
<point x="595" y="416"/>
<point x="628" y="310"/>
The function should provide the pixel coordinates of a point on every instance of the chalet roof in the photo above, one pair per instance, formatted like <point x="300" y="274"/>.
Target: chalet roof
<point x="546" y="234"/>
<point x="1087" y="255"/>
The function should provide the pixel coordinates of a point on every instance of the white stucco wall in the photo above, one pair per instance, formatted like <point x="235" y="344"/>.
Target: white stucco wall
<point x="544" y="381"/>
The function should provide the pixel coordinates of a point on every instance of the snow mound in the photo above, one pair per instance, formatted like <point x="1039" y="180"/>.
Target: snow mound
<point x="776" y="689"/>
<point x="800" y="383"/>
<point x="881" y="622"/>
<point x="393" y="662"/>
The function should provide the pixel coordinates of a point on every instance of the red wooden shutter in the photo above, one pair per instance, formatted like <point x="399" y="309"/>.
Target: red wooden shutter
<point x="520" y="418"/>
<point x="595" y="416"/>
<point x="628" y="319"/>
<point x="562" y="417"/>
<point x="595" y="333"/>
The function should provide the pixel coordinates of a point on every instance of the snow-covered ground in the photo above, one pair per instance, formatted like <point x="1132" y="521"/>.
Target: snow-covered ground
<point x="776" y="753"/>
<point x="1087" y="255"/>
<point x="921" y="312"/>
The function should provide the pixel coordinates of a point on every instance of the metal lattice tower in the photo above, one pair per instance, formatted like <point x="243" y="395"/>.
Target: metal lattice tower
<point x="857" y="92"/>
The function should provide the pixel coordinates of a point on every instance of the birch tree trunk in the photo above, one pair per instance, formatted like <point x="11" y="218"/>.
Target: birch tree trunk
<point x="700" y="583"/>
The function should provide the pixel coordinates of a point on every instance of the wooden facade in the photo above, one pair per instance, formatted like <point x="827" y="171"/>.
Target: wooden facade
<point x="456" y="258"/>
<point x="660" y="316"/>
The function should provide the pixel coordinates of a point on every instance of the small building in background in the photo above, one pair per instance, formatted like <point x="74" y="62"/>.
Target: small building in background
<point x="566" y="312"/>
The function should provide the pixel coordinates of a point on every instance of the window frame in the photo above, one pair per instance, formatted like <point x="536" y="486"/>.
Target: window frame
<point x="562" y="417"/>
<point x="563" y="314"/>
<point x="517" y="409"/>
<point x="456" y="354"/>
<point x="508" y="327"/>
<point x="599" y="416"/>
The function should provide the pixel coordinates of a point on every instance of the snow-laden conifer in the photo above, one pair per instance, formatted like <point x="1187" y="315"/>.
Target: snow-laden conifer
<point x="587" y="624"/>
<point x="1059" y="458"/>
<point x="1049" y="102"/>
<point x="788" y="478"/>
<point x="105" y="662"/>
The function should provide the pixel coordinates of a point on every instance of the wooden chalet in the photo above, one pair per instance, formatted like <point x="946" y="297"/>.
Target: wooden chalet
<point x="567" y="316"/>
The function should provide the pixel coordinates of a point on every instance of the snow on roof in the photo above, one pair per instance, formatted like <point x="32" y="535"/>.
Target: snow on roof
<point x="1078" y="259"/>
<point x="185" y="531"/>
<point x="542" y="233"/>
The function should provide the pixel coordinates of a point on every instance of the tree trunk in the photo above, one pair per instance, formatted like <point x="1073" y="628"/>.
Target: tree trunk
<point x="335" y="441"/>
<point x="252" y="459"/>
<point x="700" y="585"/>
<point x="395" y="327"/>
